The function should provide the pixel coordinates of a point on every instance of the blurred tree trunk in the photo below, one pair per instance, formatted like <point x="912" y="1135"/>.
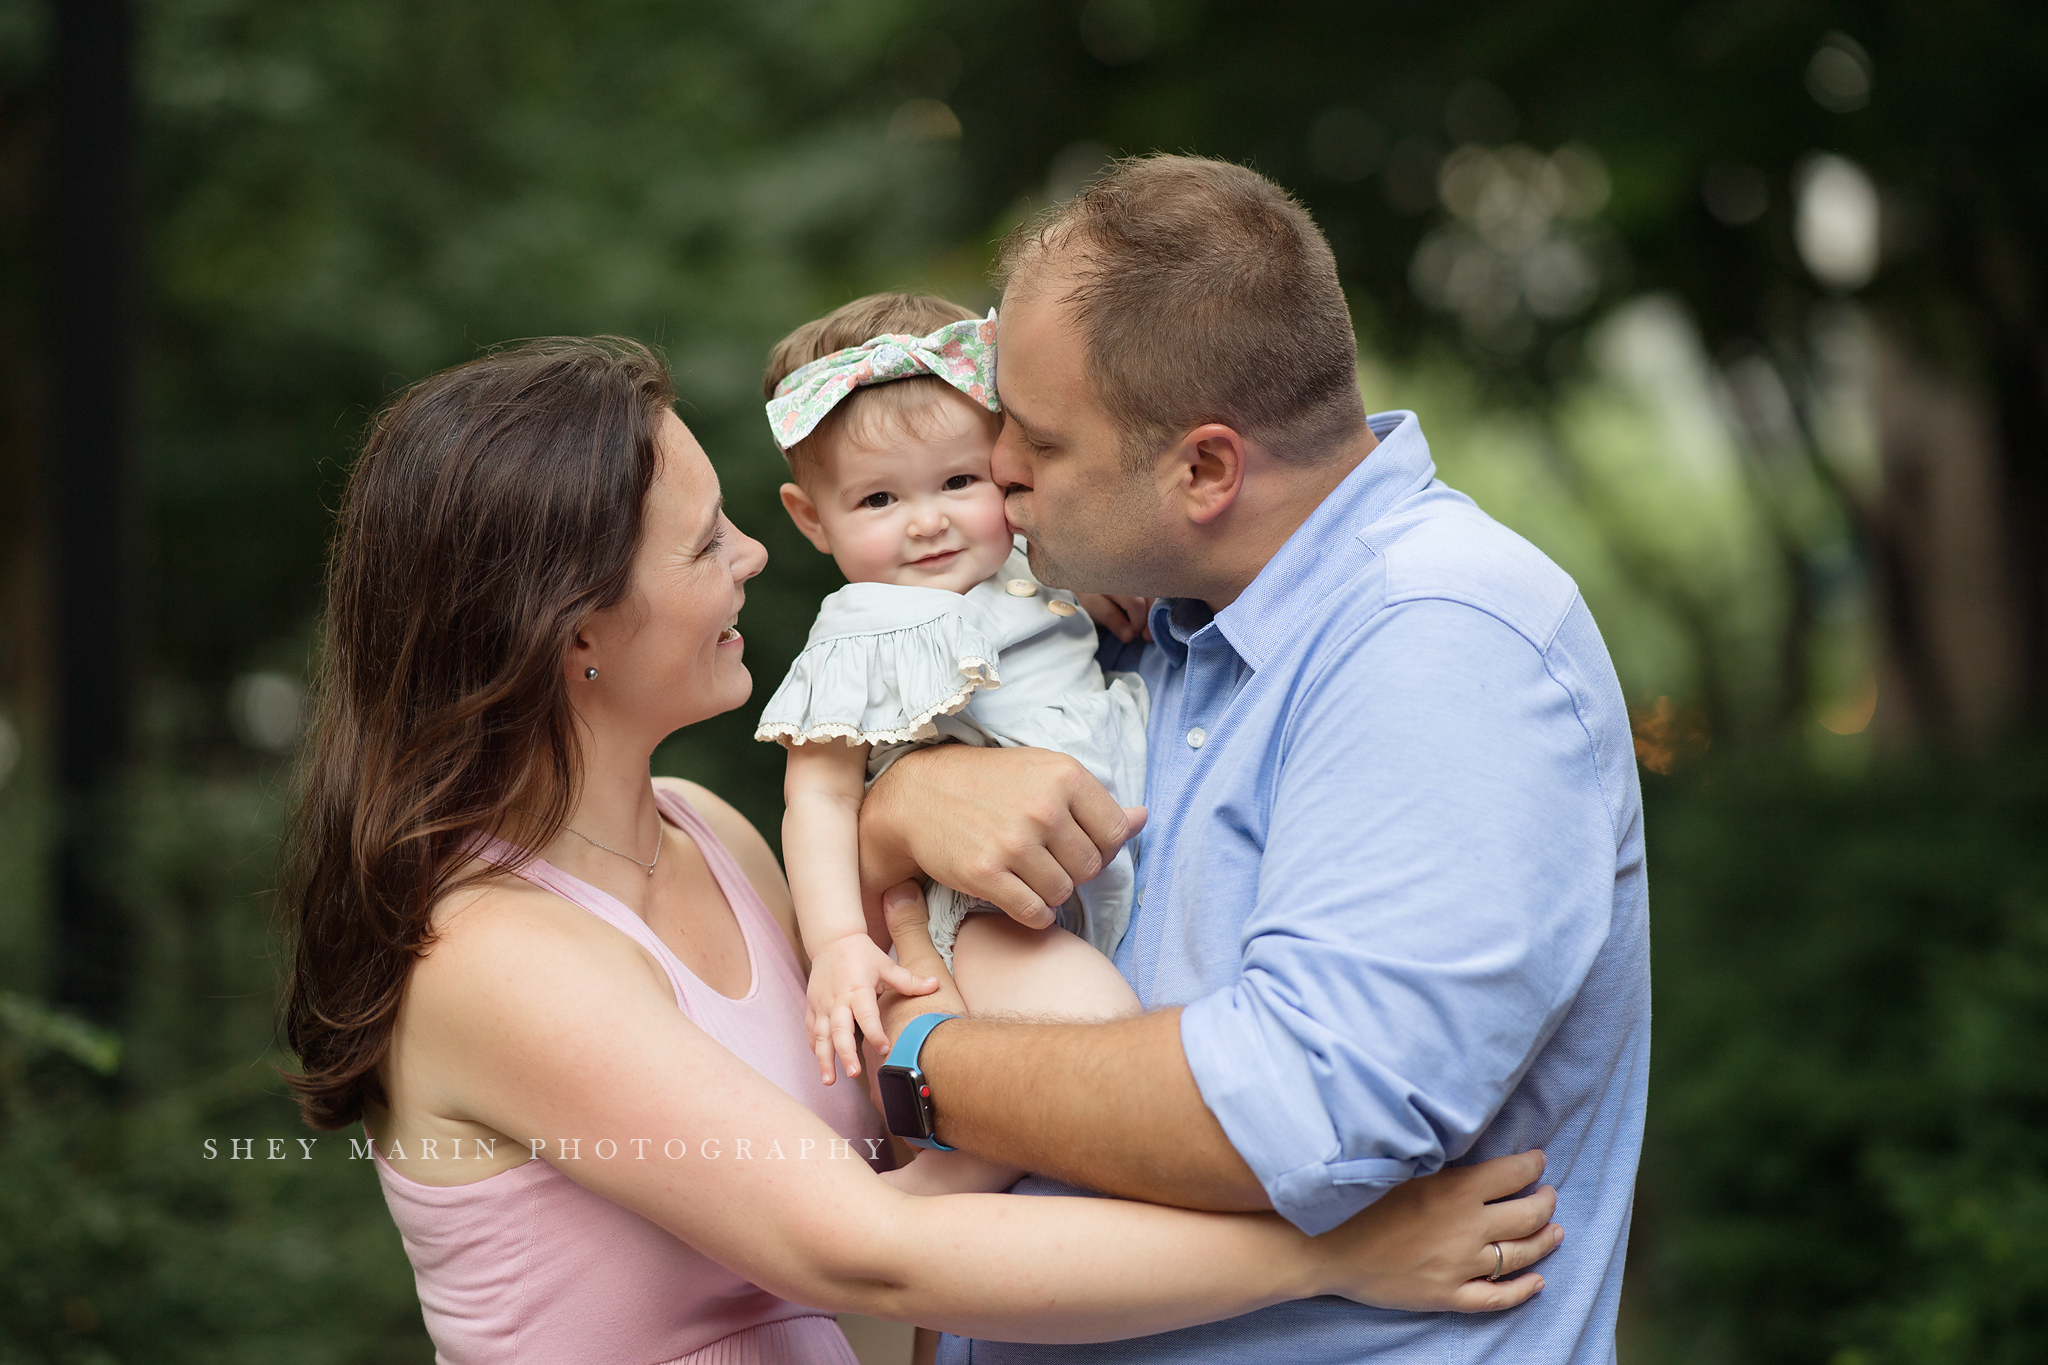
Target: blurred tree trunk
<point x="1961" y="536"/>
<point x="92" y="300"/>
<point x="1946" y="615"/>
<point x="22" y="138"/>
<point x="2019" y="367"/>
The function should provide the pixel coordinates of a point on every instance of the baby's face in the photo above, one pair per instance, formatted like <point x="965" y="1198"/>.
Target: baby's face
<point x="916" y="512"/>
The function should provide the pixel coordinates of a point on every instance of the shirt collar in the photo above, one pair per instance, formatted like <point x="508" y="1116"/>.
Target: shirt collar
<point x="1298" y="576"/>
<point x="1175" y="621"/>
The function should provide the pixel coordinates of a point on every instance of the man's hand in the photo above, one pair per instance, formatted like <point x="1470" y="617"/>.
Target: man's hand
<point x="1020" y="828"/>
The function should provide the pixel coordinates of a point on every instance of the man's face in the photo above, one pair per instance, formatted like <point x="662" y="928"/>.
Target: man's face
<point x="1094" y="526"/>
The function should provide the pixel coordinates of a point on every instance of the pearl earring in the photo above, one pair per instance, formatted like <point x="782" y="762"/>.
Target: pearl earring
<point x="590" y="675"/>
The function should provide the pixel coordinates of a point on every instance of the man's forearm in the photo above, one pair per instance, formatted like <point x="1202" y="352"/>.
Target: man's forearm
<point x="1112" y="1107"/>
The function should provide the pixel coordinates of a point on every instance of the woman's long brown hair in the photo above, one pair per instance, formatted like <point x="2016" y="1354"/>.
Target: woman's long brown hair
<point x="493" y="508"/>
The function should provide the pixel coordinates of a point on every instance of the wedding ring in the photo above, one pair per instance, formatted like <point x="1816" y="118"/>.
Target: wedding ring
<point x="1500" y="1261"/>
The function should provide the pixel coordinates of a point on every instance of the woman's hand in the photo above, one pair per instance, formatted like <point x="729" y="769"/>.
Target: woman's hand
<point x="1427" y="1244"/>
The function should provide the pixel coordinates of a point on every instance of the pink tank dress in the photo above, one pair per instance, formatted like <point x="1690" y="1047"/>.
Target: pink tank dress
<point x="529" y="1268"/>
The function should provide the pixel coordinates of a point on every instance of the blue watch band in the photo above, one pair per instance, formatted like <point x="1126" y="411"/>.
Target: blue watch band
<point x="910" y="1042"/>
<point x="906" y="1050"/>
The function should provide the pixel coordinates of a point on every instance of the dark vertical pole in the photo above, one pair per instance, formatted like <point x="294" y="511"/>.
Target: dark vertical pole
<point x="93" y="261"/>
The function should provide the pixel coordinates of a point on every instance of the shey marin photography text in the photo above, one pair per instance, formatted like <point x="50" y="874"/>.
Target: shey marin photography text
<point x="553" y="1149"/>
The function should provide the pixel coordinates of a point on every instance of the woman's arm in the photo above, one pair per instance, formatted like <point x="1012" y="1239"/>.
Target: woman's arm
<point x="543" y="1024"/>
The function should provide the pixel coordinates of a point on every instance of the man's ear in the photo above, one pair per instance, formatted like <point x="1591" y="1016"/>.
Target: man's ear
<point x="804" y="513"/>
<point x="1207" y="469"/>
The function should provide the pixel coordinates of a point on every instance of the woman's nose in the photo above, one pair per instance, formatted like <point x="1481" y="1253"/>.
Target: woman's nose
<point x="749" y="557"/>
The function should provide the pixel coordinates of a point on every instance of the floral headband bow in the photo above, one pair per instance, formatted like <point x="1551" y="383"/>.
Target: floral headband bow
<point x="961" y="353"/>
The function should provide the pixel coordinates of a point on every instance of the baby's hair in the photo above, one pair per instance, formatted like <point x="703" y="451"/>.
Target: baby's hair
<point x="906" y="403"/>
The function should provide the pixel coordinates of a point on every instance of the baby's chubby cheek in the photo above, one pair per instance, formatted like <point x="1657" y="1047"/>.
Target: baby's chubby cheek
<point x="989" y="521"/>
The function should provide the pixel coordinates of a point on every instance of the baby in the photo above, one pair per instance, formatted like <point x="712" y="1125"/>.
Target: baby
<point x="886" y="411"/>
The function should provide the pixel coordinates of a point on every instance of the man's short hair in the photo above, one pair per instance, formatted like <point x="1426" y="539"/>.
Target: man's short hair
<point x="863" y="414"/>
<point x="1206" y="294"/>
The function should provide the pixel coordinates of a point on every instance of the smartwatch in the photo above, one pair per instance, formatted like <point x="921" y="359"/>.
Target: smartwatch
<point x="906" y="1094"/>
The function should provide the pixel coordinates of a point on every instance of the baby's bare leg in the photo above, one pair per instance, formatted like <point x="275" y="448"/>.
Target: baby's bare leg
<point x="1004" y="968"/>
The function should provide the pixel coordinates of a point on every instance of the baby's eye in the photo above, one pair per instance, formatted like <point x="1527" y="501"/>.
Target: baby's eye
<point x="958" y="482"/>
<point x="878" y="500"/>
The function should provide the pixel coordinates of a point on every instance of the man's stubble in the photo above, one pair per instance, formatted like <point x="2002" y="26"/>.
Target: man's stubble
<point x="1110" y="543"/>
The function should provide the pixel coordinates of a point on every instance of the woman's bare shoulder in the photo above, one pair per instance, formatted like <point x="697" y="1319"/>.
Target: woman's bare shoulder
<point x="502" y="932"/>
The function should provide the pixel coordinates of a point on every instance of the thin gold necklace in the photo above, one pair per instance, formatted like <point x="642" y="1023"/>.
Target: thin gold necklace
<point x="648" y="866"/>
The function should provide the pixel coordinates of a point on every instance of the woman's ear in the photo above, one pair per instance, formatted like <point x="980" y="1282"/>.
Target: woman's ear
<point x="804" y="513"/>
<point x="579" y="657"/>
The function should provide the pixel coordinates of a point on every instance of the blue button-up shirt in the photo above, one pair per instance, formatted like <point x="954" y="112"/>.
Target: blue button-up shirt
<point x="1394" y="872"/>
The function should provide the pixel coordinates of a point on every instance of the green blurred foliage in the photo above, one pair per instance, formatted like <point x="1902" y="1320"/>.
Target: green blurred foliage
<point x="1847" y="1158"/>
<point x="121" y="1237"/>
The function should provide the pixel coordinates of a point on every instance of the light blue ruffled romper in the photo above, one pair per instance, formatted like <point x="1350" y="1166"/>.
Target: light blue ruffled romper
<point x="1008" y="662"/>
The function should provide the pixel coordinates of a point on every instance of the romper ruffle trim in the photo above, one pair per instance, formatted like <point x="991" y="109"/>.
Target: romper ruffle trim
<point x="881" y="687"/>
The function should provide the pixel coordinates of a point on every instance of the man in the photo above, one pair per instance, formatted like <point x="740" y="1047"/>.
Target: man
<point x="1393" y="911"/>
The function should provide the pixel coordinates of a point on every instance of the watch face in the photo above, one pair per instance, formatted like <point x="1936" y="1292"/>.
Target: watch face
<point x="902" y="1107"/>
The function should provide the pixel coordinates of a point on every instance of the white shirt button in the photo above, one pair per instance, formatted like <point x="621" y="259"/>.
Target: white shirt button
<point x="1197" y="737"/>
<point x="1020" y="587"/>
<point x="1059" y="607"/>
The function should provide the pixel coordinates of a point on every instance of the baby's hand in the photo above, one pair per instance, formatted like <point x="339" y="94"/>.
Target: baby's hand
<point x="1123" y="617"/>
<point x="846" y="976"/>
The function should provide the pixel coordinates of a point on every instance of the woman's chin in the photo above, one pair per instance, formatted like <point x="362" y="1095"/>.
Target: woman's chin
<point x="736" y="687"/>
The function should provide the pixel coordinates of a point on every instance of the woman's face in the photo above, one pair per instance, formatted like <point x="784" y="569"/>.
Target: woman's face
<point x="668" y="655"/>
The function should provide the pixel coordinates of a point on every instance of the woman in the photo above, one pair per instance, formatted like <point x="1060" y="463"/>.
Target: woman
<point x="567" y="1004"/>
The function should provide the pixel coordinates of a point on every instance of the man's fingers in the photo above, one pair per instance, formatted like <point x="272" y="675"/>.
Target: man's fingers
<point x="1049" y="881"/>
<point x="1017" y="900"/>
<point x="1105" y="822"/>
<point x="1524" y="1217"/>
<point x="904" y="910"/>
<point x="1075" y="852"/>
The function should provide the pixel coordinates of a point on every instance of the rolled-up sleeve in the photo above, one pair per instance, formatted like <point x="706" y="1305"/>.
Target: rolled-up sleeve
<point x="1436" y="879"/>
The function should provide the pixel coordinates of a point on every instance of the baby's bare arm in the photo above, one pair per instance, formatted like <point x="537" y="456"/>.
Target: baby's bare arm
<point x="821" y="790"/>
<point x="822" y="787"/>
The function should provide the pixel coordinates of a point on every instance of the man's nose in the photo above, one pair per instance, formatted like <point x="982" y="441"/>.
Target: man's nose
<point x="1005" y="465"/>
